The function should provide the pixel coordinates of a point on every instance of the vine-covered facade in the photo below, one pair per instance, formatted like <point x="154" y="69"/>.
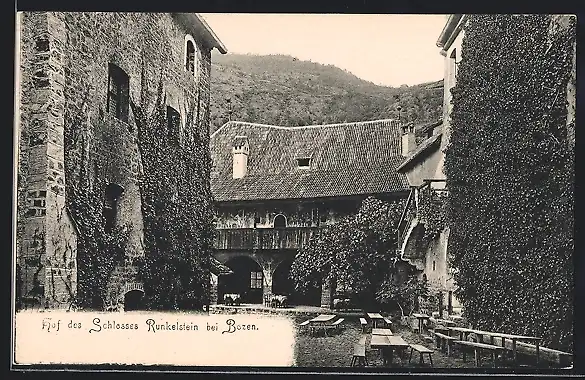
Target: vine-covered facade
<point x="80" y="214"/>
<point x="510" y="170"/>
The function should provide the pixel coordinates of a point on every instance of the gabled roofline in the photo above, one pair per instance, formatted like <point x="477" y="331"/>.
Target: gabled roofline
<point x="197" y="25"/>
<point x="453" y="26"/>
<point x="424" y="147"/>
<point x="356" y="123"/>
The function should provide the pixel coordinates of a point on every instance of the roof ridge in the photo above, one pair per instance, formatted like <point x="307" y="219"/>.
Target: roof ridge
<point x="236" y="122"/>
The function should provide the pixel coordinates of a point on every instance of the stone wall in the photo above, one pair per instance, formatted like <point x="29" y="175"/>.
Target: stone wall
<point x="64" y="77"/>
<point x="47" y="248"/>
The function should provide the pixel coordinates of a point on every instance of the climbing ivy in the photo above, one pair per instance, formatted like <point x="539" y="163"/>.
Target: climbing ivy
<point x="98" y="250"/>
<point x="510" y="177"/>
<point x="356" y="253"/>
<point x="176" y="204"/>
<point x="433" y="210"/>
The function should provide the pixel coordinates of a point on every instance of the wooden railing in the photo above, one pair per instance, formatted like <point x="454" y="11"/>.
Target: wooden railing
<point x="263" y="238"/>
<point x="418" y="195"/>
<point x="408" y="214"/>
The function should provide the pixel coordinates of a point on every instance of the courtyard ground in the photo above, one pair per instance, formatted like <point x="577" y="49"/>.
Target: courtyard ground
<point x="336" y="351"/>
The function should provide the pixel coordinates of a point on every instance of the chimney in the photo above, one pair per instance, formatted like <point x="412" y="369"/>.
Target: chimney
<point x="240" y="151"/>
<point x="408" y="141"/>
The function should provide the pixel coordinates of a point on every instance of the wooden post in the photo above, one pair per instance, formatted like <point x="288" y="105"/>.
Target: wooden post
<point x="441" y="304"/>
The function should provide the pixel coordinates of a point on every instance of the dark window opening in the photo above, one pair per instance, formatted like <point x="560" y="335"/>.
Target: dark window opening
<point x="303" y="162"/>
<point x="113" y="193"/>
<point x="256" y="221"/>
<point x="190" y="59"/>
<point x="173" y="124"/>
<point x="118" y="93"/>
<point x="279" y="221"/>
<point x="434" y="266"/>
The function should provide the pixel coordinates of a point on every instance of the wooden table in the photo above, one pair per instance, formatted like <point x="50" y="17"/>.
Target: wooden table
<point x="386" y="344"/>
<point x="386" y="332"/>
<point x="464" y="332"/>
<point x="445" y="322"/>
<point x="375" y="317"/>
<point x="421" y="318"/>
<point x="323" y="318"/>
<point x="320" y="321"/>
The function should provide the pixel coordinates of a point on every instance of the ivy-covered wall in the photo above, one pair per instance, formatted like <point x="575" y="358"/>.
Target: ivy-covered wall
<point x="510" y="172"/>
<point x="98" y="148"/>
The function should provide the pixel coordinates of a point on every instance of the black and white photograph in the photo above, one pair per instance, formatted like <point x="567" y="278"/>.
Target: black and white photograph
<point x="347" y="193"/>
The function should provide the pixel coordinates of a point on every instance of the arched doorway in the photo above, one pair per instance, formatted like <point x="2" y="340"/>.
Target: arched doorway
<point x="133" y="300"/>
<point x="247" y="280"/>
<point x="283" y="284"/>
<point x="279" y="221"/>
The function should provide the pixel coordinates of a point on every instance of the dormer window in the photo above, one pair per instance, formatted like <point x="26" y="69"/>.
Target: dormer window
<point x="304" y="163"/>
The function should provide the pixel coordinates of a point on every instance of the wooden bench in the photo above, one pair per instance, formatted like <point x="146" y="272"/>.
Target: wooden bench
<point x="364" y="324"/>
<point x="304" y="325"/>
<point x="359" y="355"/>
<point x="337" y="324"/>
<point x="421" y="350"/>
<point x="555" y="357"/>
<point x="443" y="341"/>
<point x="477" y="347"/>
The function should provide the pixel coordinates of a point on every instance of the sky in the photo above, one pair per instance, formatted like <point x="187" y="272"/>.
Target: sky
<point x="385" y="49"/>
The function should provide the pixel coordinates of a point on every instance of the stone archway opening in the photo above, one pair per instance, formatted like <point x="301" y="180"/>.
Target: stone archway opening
<point x="283" y="284"/>
<point x="247" y="280"/>
<point x="133" y="300"/>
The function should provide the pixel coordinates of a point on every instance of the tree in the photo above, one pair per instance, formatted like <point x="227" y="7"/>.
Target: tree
<point x="404" y="293"/>
<point x="510" y="172"/>
<point x="356" y="252"/>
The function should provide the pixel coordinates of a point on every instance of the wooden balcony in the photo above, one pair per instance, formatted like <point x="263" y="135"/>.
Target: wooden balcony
<point x="263" y="238"/>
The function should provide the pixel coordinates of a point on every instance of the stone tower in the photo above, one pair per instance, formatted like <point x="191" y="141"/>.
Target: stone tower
<point x="47" y="251"/>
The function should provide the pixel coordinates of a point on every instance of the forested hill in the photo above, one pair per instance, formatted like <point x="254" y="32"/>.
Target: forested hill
<point x="285" y="91"/>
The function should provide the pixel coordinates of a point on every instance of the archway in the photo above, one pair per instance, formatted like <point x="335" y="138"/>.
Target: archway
<point x="279" y="221"/>
<point x="247" y="281"/>
<point x="133" y="300"/>
<point x="283" y="284"/>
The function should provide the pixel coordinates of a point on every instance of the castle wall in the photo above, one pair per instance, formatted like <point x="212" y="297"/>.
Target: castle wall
<point x="64" y="78"/>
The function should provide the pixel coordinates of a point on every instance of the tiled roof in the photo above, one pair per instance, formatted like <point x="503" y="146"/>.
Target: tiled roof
<point x="218" y="268"/>
<point x="346" y="159"/>
<point x="432" y="142"/>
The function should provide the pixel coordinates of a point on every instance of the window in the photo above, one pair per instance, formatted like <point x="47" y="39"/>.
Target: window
<point x="173" y="124"/>
<point x="256" y="280"/>
<point x="113" y="193"/>
<point x="454" y="63"/>
<point x="118" y="92"/>
<point x="304" y="163"/>
<point x="191" y="55"/>
<point x="279" y="221"/>
<point x="434" y="266"/>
